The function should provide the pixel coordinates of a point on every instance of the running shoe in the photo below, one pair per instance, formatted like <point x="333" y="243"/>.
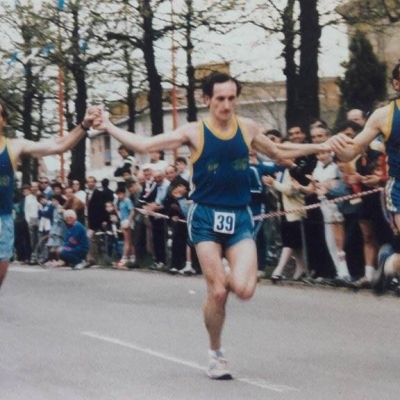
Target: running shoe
<point x="218" y="366"/>
<point x="382" y="281"/>
<point x="188" y="270"/>
<point x="83" y="264"/>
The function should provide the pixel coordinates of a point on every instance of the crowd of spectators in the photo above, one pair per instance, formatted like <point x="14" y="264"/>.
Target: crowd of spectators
<point x="145" y="214"/>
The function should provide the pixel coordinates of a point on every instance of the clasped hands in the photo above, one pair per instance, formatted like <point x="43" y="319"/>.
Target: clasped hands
<point x="96" y="117"/>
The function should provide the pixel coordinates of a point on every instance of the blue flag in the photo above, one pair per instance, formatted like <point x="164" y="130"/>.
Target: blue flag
<point x="47" y="49"/>
<point x="11" y="61"/>
<point x="61" y="4"/>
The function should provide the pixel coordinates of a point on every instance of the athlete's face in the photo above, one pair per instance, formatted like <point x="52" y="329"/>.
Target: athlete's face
<point x="223" y="102"/>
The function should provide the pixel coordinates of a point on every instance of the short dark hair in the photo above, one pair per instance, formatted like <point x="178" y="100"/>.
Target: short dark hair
<point x="181" y="159"/>
<point x="396" y="71"/>
<point x="4" y="112"/>
<point x="357" y="128"/>
<point x="56" y="184"/>
<point x="274" y="132"/>
<point x="105" y="182"/>
<point x="218" y="77"/>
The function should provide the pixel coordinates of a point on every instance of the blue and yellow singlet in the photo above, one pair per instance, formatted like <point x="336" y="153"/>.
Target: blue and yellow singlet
<point x="7" y="177"/>
<point x="220" y="168"/>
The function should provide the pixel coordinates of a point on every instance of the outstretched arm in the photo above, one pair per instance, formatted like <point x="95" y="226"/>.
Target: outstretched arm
<point x="279" y="151"/>
<point x="374" y="126"/>
<point x="143" y="144"/>
<point x="59" y="145"/>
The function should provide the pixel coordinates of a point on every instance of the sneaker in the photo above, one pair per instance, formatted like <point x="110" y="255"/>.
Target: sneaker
<point x="218" y="366"/>
<point x="132" y="260"/>
<point x="363" y="283"/>
<point x="188" y="270"/>
<point x="261" y="274"/>
<point x="382" y="281"/>
<point x="160" y="266"/>
<point x="121" y="264"/>
<point x="173" y="271"/>
<point x="83" y="264"/>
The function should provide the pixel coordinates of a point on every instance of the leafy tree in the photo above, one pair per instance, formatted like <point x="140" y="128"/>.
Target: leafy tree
<point x="364" y="81"/>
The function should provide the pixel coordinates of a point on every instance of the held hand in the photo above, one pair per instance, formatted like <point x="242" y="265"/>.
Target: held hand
<point x="371" y="180"/>
<point x="102" y="121"/>
<point x="91" y="114"/>
<point x="338" y="143"/>
<point x="268" y="180"/>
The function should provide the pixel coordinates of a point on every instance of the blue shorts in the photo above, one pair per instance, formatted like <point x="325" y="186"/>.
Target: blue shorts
<point x="393" y="195"/>
<point x="224" y="225"/>
<point x="6" y="237"/>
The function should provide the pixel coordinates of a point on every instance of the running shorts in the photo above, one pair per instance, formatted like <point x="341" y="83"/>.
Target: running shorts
<point x="224" y="225"/>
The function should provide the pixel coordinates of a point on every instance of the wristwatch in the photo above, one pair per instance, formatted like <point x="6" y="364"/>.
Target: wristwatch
<point x="84" y="127"/>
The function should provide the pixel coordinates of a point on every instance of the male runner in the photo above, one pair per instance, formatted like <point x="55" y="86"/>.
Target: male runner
<point x="10" y="152"/>
<point x="384" y="121"/>
<point x="219" y="220"/>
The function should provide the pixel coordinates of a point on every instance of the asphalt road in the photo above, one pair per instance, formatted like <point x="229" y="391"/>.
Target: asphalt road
<point x="106" y="334"/>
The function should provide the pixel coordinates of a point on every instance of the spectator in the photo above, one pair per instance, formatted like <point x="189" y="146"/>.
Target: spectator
<point x="106" y="193"/>
<point x="111" y="226"/>
<point x="172" y="175"/>
<point x="58" y="190"/>
<point x="182" y="168"/>
<point x="73" y="203"/>
<point x="259" y="204"/>
<point x="45" y="187"/>
<point x="358" y="116"/>
<point x="157" y="161"/>
<point x="126" y="214"/>
<point x="23" y="244"/>
<point x="128" y="162"/>
<point x="320" y="134"/>
<point x="95" y="213"/>
<point x="158" y="224"/>
<point x="325" y="176"/>
<point x="291" y="230"/>
<point x="31" y="213"/>
<point x="176" y="207"/>
<point x="78" y="192"/>
<point x="76" y="245"/>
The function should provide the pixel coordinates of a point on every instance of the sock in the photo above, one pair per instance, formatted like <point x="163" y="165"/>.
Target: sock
<point x="369" y="272"/>
<point x="188" y="264"/>
<point x="342" y="265"/>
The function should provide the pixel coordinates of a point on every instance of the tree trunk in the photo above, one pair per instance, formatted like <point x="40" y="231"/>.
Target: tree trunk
<point x="27" y="171"/>
<point x="154" y="79"/>
<point x="310" y="31"/>
<point x="78" y="153"/>
<point x="290" y="70"/>
<point x="190" y="70"/>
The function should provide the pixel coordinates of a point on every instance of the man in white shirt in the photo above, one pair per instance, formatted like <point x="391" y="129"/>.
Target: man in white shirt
<point x="31" y="212"/>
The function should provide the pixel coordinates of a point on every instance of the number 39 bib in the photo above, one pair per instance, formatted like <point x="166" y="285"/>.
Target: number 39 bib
<point x="224" y="222"/>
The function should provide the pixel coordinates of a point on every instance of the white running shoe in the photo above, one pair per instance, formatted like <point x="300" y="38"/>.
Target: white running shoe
<point x="218" y="366"/>
<point x="187" y="270"/>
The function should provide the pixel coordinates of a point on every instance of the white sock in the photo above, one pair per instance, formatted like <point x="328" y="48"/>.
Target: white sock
<point x="188" y="264"/>
<point x="342" y="265"/>
<point x="369" y="272"/>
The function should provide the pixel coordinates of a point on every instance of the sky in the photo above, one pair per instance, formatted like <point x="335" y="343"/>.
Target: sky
<point x="252" y="57"/>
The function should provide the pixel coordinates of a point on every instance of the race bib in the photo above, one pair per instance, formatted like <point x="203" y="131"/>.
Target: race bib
<point x="224" y="222"/>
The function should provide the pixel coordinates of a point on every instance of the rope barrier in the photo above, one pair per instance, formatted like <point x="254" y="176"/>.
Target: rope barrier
<point x="279" y="213"/>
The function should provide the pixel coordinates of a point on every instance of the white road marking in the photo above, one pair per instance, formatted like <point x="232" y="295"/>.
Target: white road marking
<point x="261" y="383"/>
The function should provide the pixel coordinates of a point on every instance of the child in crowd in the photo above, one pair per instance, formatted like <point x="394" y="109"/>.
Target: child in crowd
<point x="112" y="227"/>
<point x="126" y="214"/>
